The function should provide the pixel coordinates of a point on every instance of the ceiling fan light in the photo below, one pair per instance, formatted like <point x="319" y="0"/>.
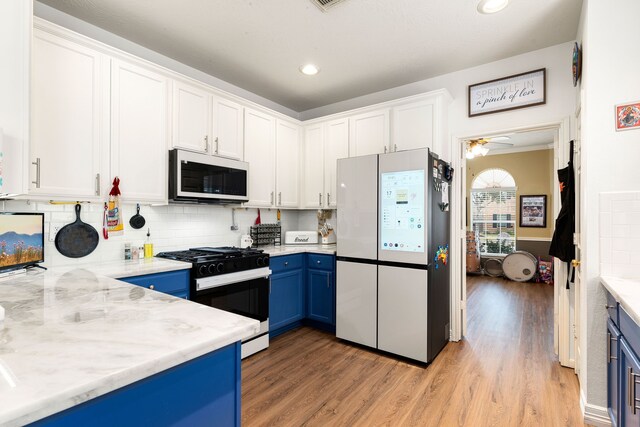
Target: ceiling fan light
<point x="469" y="155"/>
<point x="484" y="151"/>
<point x="491" y="6"/>
<point x="476" y="149"/>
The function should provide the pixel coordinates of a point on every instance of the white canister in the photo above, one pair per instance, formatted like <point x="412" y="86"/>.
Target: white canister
<point x="245" y="241"/>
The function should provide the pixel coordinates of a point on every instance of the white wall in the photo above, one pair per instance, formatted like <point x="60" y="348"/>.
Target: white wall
<point x="173" y="227"/>
<point x="609" y="159"/>
<point x="57" y="17"/>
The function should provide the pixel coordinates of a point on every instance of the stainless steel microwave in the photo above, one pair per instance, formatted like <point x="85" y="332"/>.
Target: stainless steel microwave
<point x="202" y="178"/>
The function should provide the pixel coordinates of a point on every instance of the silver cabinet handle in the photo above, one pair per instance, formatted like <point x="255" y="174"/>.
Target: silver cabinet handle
<point x="37" y="165"/>
<point x="272" y="197"/>
<point x="328" y="282"/>
<point x="97" y="184"/>
<point x="217" y="145"/>
<point x="609" y="356"/>
<point x="395" y="147"/>
<point x="280" y="198"/>
<point x="320" y="199"/>
<point x="152" y="287"/>
<point x="385" y="149"/>
<point x="206" y="143"/>
<point x="631" y="389"/>
<point x="286" y="263"/>
<point x="328" y="199"/>
<point x="607" y="306"/>
<point x="318" y="261"/>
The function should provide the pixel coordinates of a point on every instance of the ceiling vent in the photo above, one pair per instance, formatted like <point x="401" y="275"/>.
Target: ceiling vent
<point x="325" y="5"/>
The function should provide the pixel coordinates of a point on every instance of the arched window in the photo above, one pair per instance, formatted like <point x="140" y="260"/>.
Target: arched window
<point x="493" y="211"/>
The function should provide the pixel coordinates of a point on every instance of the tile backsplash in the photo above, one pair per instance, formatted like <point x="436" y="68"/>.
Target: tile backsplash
<point x="620" y="234"/>
<point x="173" y="227"/>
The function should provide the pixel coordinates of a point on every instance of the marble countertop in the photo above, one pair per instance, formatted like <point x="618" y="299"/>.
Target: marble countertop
<point x="626" y="292"/>
<point x="299" y="249"/>
<point x="75" y="335"/>
<point x="120" y="269"/>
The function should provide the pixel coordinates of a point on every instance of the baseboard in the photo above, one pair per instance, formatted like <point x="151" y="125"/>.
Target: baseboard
<point x="594" y="415"/>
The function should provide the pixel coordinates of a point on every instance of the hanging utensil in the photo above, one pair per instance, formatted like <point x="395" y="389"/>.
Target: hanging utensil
<point x="105" y="226"/>
<point x="77" y="239"/>
<point x="137" y="221"/>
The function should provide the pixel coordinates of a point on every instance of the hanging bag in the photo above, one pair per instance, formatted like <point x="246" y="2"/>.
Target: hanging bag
<point x="115" y="225"/>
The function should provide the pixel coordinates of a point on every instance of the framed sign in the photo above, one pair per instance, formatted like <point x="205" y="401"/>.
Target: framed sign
<point x="508" y="93"/>
<point x="628" y="116"/>
<point x="533" y="211"/>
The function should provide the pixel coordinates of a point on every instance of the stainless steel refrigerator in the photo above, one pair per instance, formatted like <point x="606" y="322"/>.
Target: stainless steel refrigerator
<point x="393" y="285"/>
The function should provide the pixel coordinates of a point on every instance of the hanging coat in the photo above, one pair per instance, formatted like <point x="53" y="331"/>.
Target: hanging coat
<point x="562" y="246"/>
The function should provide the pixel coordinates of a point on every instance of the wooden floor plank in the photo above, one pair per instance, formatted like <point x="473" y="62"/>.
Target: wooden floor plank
<point x="504" y="373"/>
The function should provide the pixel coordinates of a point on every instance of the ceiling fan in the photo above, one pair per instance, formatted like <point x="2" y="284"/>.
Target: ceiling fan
<point x="477" y="147"/>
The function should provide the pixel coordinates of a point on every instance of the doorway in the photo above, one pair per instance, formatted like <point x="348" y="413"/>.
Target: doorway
<point x="556" y="138"/>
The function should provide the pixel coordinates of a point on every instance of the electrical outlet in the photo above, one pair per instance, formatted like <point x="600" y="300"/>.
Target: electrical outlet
<point x="53" y="230"/>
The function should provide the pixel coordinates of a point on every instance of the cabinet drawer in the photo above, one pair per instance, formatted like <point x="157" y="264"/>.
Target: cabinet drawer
<point x="286" y="262"/>
<point x="321" y="262"/>
<point x="630" y="330"/>
<point x="174" y="282"/>
<point x="612" y="308"/>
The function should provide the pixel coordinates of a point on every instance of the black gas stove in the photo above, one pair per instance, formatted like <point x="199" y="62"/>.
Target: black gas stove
<point x="216" y="261"/>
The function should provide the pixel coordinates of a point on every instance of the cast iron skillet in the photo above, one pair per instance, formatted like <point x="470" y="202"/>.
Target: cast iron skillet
<point x="137" y="221"/>
<point x="77" y="239"/>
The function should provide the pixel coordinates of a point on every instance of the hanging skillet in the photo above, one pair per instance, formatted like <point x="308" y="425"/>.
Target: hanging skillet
<point x="137" y="221"/>
<point x="77" y="239"/>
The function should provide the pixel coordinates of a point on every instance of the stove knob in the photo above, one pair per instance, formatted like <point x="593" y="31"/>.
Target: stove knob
<point x="265" y="260"/>
<point x="202" y="270"/>
<point x="212" y="269"/>
<point x="220" y="267"/>
<point x="260" y="262"/>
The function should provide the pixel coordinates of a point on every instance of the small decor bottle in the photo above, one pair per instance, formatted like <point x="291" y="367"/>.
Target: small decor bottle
<point x="148" y="246"/>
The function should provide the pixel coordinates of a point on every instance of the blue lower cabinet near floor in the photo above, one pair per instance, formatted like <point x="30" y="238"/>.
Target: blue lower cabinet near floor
<point x="202" y="392"/>
<point x="173" y="282"/>
<point x="321" y="295"/>
<point x="286" y="300"/>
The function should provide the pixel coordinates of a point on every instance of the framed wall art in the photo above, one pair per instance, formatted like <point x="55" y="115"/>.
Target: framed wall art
<point x="628" y="116"/>
<point x="533" y="211"/>
<point x="508" y="93"/>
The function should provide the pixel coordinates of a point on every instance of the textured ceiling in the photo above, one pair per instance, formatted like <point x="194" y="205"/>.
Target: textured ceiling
<point x="361" y="46"/>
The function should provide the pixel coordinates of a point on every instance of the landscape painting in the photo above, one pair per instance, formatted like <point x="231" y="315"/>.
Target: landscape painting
<point x="21" y="240"/>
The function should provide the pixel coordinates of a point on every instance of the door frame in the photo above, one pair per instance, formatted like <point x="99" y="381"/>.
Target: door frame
<point x="563" y="342"/>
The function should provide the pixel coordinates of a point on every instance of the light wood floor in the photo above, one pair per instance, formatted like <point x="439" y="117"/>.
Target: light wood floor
<point x="504" y="373"/>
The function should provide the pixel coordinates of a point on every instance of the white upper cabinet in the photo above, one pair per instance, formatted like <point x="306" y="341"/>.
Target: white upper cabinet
<point x="228" y="128"/>
<point x="336" y="146"/>
<point x="259" y="152"/>
<point x="287" y="161"/>
<point x="139" y="122"/>
<point x="67" y="118"/>
<point x="313" y="194"/>
<point x="190" y="117"/>
<point x="414" y="126"/>
<point x="369" y="133"/>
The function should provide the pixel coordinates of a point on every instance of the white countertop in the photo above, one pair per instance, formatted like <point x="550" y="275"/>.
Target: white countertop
<point x="299" y="249"/>
<point x="626" y="292"/>
<point x="122" y="268"/>
<point x="75" y="335"/>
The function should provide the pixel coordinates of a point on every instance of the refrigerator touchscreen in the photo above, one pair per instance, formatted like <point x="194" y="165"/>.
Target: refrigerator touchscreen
<point x="402" y="209"/>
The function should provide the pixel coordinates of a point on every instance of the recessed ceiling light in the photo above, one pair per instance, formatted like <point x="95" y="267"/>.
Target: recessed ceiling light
<point x="492" y="6"/>
<point x="309" y="69"/>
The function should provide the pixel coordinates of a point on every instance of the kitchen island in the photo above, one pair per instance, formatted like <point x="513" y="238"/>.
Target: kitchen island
<point x="77" y="347"/>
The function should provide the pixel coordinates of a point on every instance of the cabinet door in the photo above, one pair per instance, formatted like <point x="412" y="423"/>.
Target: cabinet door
<point x="336" y="146"/>
<point x="613" y="356"/>
<point x="287" y="163"/>
<point x="320" y="295"/>
<point x="69" y="112"/>
<point x="228" y="129"/>
<point x="190" y="117"/>
<point x="313" y="167"/>
<point x="259" y="152"/>
<point x="286" y="300"/>
<point x="629" y="408"/>
<point x="369" y="133"/>
<point x="139" y="119"/>
<point x="413" y="126"/>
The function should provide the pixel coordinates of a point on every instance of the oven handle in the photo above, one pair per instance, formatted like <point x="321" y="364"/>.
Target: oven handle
<point x="228" y="279"/>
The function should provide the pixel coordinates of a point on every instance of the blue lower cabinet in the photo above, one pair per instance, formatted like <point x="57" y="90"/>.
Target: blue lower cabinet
<point x="321" y="296"/>
<point x="286" y="297"/>
<point x="629" y="379"/>
<point x="175" y="283"/>
<point x="201" y="392"/>
<point x="613" y="357"/>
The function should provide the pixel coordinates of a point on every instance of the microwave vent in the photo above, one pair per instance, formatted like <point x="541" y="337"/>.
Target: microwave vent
<point x="325" y="5"/>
